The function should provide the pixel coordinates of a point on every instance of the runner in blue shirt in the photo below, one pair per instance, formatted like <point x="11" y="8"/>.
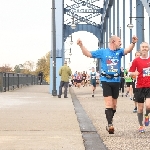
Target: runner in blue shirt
<point x="110" y="71"/>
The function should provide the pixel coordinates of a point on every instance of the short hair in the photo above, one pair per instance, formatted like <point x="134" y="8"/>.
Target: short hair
<point x="137" y="52"/>
<point x="113" y="37"/>
<point x="144" y="43"/>
<point x="65" y="62"/>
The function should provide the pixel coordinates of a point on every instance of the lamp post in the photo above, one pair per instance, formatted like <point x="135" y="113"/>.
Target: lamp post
<point x="70" y="52"/>
<point x="73" y="26"/>
<point x="130" y="26"/>
<point x="69" y="61"/>
<point x="54" y="91"/>
<point x="71" y="42"/>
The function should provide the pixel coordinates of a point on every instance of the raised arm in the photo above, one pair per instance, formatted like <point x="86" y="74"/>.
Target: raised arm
<point x="84" y="50"/>
<point x="131" y="46"/>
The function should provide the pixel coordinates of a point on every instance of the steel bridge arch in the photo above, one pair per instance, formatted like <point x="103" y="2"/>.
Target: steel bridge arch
<point x="82" y="27"/>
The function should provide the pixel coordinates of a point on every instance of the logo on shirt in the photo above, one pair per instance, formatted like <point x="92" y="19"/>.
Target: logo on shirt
<point x="112" y="64"/>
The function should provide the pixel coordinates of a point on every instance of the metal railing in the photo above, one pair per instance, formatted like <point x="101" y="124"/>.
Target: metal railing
<point x="11" y="81"/>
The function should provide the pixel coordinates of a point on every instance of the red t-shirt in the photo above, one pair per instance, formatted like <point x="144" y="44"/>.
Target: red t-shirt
<point x="143" y="67"/>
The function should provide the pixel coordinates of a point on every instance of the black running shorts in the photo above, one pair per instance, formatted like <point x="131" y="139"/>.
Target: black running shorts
<point x="93" y="83"/>
<point x="141" y="94"/>
<point x="133" y="86"/>
<point x="110" y="89"/>
<point x="128" y="84"/>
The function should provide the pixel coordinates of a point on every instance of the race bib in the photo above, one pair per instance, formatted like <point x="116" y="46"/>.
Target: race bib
<point x="112" y="65"/>
<point x="93" y="77"/>
<point x="146" y="72"/>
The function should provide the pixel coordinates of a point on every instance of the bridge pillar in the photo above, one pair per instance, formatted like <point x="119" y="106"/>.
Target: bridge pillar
<point x="130" y="29"/>
<point x="139" y="22"/>
<point x="59" y="44"/>
<point x="114" y="14"/>
<point x="109" y="21"/>
<point x="123" y="30"/>
<point x="118" y="26"/>
<point x="107" y="32"/>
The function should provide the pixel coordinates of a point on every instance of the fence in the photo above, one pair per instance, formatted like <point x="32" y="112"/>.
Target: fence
<point x="11" y="81"/>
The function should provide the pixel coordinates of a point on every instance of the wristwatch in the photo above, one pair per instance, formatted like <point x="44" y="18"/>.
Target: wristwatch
<point x="132" y="42"/>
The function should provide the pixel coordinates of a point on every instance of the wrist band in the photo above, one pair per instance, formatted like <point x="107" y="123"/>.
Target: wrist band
<point x="132" y="42"/>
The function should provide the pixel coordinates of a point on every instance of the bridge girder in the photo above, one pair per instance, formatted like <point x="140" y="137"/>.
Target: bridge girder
<point x="81" y="27"/>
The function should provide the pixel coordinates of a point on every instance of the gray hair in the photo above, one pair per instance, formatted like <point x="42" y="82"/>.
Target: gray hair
<point x="145" y="43"/>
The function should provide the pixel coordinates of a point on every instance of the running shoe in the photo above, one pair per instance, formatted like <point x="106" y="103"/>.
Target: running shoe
<point x="93" y="95"/>
<point x="110" y="129"/>
<point x="135" y="110"/>
<point x="146" y="120"/>
<point x="126" y="94"/>
<point x="141" y="129"/>
<point x="131" y="98"/>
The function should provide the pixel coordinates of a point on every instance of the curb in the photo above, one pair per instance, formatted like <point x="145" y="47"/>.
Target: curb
<point x="91" y="138"/>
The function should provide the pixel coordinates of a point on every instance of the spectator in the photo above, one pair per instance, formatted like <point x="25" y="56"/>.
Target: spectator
<point x="40" y="75"/>
<point x="64" y="72"/>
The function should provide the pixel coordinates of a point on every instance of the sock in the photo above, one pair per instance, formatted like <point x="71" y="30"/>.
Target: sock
<point x="109" y="115"/>
<point x="140" y="118"/>
<point x="114" y="112"/>
<point x="147" y="112"/>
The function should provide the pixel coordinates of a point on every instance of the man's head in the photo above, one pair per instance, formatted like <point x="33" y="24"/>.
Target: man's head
<point x="137" y="54"/>
<point x="93" y="69"/>
<point x="144" y="48"/>
<point x="115" y="42"/>
<point x="65" y="62"/>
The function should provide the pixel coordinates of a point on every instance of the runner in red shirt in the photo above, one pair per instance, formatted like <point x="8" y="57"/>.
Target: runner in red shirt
<point x="140" y="67"/>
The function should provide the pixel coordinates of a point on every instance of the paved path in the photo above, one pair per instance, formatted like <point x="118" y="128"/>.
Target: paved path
<point x="31" y="119"/>
<point x="126" y="135"/>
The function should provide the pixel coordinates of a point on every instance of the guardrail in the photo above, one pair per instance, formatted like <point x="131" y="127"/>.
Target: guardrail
<point x="11" y="81"/>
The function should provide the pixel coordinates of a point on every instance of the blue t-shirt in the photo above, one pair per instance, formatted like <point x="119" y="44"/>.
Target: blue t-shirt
<point x="110" y="62"/>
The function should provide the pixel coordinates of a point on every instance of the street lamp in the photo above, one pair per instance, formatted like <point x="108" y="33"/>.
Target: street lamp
<point x="130" y="26"/>
<point x="73" y="25"/>
<point x="70" y="52"/>
<point x="71" y="42"/>
<point x="69" y="61"/>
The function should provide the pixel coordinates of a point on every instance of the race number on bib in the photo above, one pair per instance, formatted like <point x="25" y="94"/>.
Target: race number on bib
<point x="112" y="65"/>
<point x="146" y="72"/>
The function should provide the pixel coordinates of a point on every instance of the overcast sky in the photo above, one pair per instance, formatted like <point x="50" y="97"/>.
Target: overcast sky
<point x="24" y="30"/>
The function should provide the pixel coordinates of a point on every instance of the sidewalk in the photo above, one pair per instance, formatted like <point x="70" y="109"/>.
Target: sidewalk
<point x="126" y="125"/>
<point x="31" y="119"/>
